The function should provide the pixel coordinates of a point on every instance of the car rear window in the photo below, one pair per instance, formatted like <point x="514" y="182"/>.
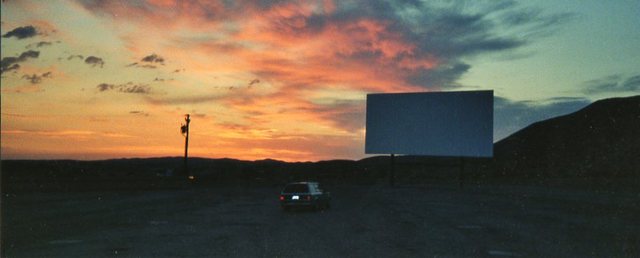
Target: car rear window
<point x="296" y="188"/>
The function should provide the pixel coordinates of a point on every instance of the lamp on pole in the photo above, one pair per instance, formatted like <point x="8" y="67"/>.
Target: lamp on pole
<point x="185" y="131"/>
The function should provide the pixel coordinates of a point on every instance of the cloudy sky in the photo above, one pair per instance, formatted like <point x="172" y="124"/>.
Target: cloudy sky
<point x="288" y="79"/>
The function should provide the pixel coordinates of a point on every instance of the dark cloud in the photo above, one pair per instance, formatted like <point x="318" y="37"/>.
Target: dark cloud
<point x="149" y="62"/>
<point x="11" y="63"/>
<point x="446" y="31"/>
<point x="348" y="115"/>
<point x="21" y="32"/>
<point x="536" y="22"/>
<point x="9" y="66"/>
<point x="35" y="78"/>
<point x="94" y="61"/>
<point x="141" y="65"/>
<point x="71" y="57"/>
<point x="452" y="31"/>
<point x="157" y="79"/>
<point x="138" y="89"/>
<point x="444" y="76"/>
<point x="40" y="44"/>
<point x="460" y="34"/>
<point x="29" y="54"/>
<point x="458" y="29"/>
<point x="511" y="116"/>
<point x="128" y="87"/>
<point x="521" y="18"/>
<point x="105" y="86"/>
<point x="613" y="83"/>
<point x="632" y="84"/>
<point x="254" y="82"/>
<point x="140" y="113"/>
<point x="153" y="58"/>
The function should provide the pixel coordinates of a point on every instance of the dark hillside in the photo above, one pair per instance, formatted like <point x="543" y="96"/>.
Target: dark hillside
<point x="600" y="140"/>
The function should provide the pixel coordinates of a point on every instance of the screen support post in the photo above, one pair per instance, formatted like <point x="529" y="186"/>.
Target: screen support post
<point x="392" y="172"/>
<point x="461" y="175"/>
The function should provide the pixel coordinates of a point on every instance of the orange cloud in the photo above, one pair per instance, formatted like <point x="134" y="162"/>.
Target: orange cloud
<point x="280" y="46"/>
<point x="315" y="61"/>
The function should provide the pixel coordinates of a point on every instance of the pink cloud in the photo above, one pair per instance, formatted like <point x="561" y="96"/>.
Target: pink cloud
<point x="295" y="49"/>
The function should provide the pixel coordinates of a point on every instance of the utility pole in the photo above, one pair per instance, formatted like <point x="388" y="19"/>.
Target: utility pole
<point x="185" y="131"/>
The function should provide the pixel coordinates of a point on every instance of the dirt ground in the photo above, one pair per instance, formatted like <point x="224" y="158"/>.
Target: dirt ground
<point x="364" y="221"/>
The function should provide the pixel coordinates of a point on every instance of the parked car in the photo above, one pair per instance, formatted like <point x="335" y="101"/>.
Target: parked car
<point x="304" y="194"/>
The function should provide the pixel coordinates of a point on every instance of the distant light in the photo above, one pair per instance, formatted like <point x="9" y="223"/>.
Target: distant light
<point x="192" y="178"/>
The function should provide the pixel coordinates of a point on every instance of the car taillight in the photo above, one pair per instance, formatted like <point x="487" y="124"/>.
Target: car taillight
<point x="282" y="197"/>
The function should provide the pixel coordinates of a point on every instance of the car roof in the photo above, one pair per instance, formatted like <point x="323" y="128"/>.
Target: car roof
<point x="305" y="182"/>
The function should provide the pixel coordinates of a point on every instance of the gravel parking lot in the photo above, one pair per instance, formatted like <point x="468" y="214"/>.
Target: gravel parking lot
<point x="364" y="221"/>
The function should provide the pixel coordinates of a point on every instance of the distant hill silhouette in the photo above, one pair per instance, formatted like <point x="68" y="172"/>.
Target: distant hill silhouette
<point x="599" y="143"/>
<point x="600" y="140"/>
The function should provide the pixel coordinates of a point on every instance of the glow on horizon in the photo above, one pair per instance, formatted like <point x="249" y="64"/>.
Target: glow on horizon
<point x="284" y="80"/>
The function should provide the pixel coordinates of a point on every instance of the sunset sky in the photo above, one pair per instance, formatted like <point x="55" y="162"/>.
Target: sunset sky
<point x="288" y="79"/>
